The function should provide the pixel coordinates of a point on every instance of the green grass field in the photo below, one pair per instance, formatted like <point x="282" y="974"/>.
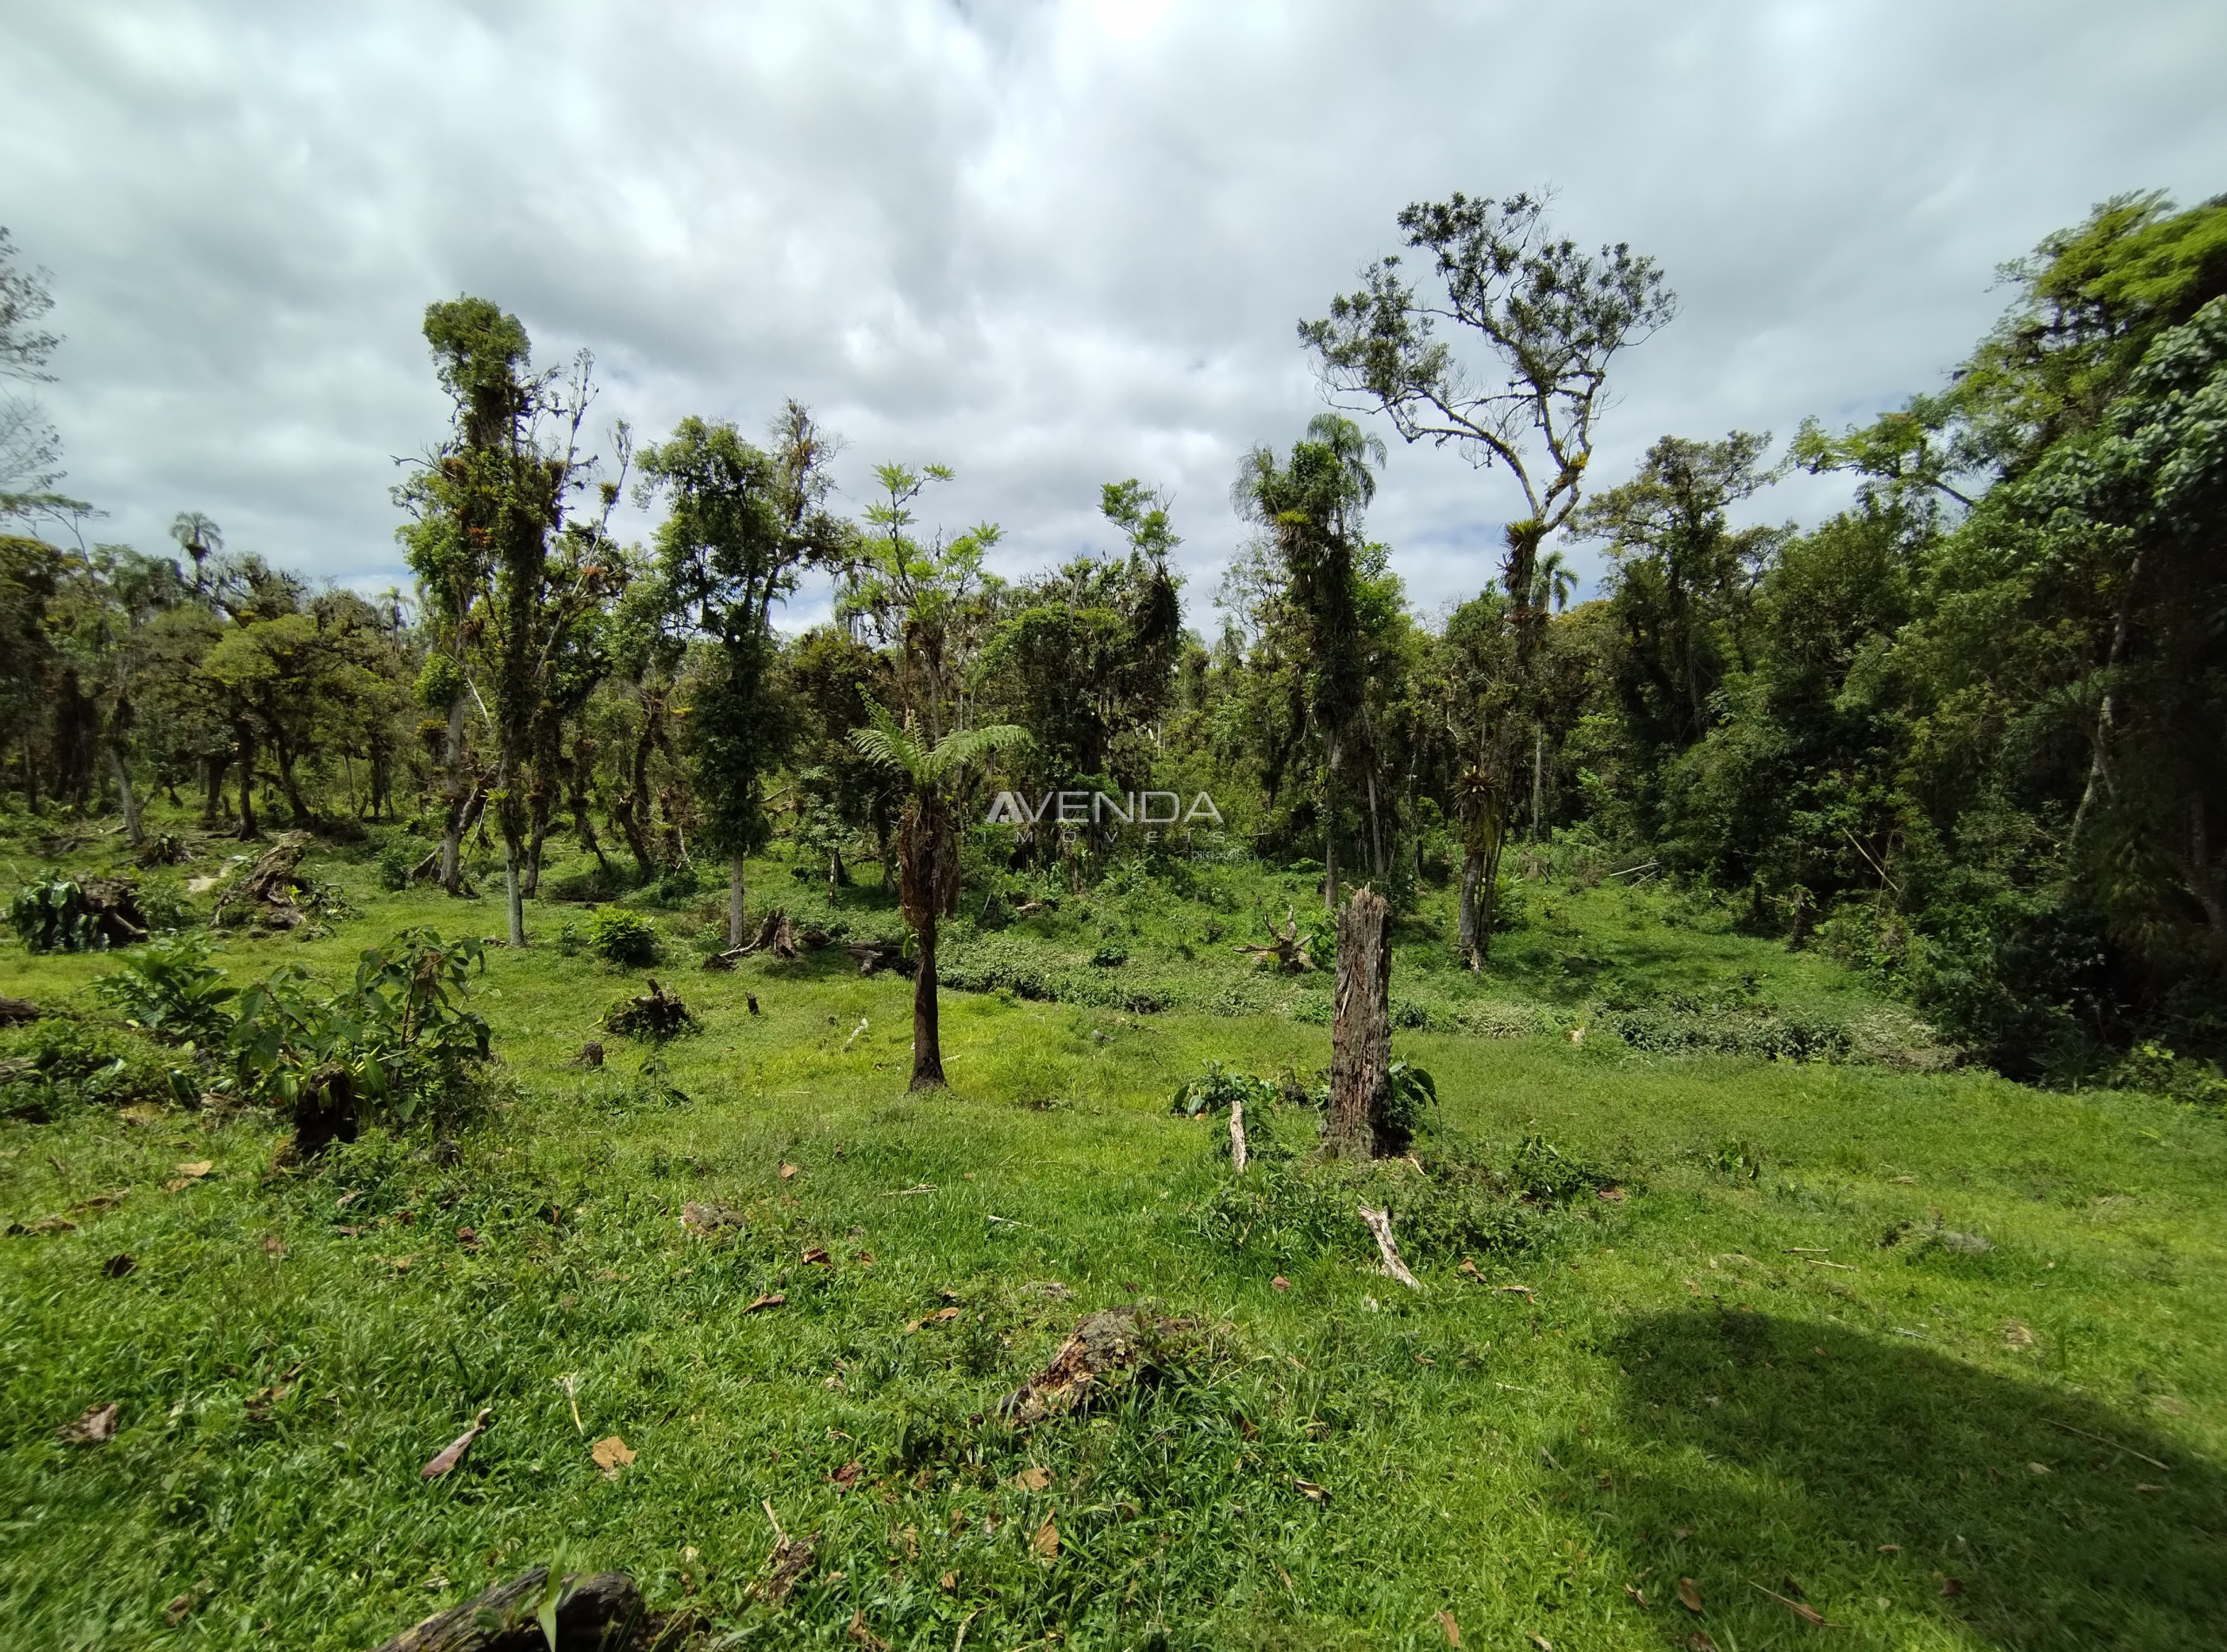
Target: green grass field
<point x="1939" y="1357"/>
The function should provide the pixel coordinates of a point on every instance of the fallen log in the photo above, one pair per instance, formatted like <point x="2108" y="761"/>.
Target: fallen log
<point x="266" y="891"/>
<point x="602" y="1613"/>
<point x="16" y="1011"/>
<point x="871" y="955"/>
<point x="1101" y="1346"/>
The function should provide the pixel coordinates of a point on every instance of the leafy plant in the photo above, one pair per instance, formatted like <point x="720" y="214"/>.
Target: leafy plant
<point x="172" y="990"/>
<point x="1218" y="1087"/>
<point x="397" y="860"/>
<point x="1414" y="1093"/>
<point x="398" y="1039"/>
<point x="621" y="937"/>
<point x="52" y="915"/>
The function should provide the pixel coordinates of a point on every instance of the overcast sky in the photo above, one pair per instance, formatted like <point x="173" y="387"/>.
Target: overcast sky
<point x="1049" y="245"/>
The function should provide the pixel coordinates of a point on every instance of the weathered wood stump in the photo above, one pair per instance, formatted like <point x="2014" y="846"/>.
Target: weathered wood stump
<point x="265" y="892"/>
<point x="1360" y="1028"/>
<point x="603" y="1613"/>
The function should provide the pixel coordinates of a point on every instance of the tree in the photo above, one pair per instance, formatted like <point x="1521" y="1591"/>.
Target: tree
<point x="1684" y="578"/>
<point x="484" y="510"/>
<point x="1311" y="509"/>
<point x="741" y="525"/>
<point x="928" y="848"/>
<point x="197" y="536"/>
<point x="31" y="448"/>
<point x="1552" y="316"/>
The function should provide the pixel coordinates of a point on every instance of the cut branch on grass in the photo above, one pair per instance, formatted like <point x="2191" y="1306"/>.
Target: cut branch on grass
<point x="1379" y="1228"/>
<point x="656" y="1013"/>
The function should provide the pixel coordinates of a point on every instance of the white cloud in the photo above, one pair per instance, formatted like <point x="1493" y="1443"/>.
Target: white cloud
<point x="1049" y="245"/>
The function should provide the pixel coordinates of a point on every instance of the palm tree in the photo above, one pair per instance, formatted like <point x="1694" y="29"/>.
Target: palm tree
<point x="197" y="536"/>
<point x="1555" y="582"/>
<point x="928" y="848"/>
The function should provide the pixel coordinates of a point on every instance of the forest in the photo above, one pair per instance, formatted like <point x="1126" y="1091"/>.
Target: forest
<point x="1966" y="733"/>
<point x="1070" y="1108"/>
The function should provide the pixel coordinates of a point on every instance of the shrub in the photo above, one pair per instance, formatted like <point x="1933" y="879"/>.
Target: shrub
<point x="621" y="937"/>
<point x="1217" y="1087"/>
<point x="397" y="860"/>
<point x="59" y="913"/>
<point x="1110" y="956"/>
<point x="398" y="1042"/>
<point x="678" y="884"/>
<point x="172" y="990"/>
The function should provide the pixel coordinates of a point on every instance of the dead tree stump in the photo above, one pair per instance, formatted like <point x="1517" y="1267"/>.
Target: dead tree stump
<point x="1360" y="1028"/>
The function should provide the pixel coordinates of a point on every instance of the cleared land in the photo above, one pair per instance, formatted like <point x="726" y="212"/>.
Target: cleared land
<point x="2003" y="1428"/>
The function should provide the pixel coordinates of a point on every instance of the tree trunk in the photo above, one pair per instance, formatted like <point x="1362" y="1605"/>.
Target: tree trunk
<point x="125" y="800"/>
<point x="927" y="1046"/>
<point x="248" y="831"/>
<point x="1360" y="1028"/>
<point x="1375" y="828"/>
<point x="577" y="786"/>
<point x="1330" y="828"/>
<point x="734" y="900"/>
<point x="1472" y="866"/>
<point x="303" y="817"/>
<point x="453" y="783"/>
<point x="513" y="884"/>
<point x="212" y="795"/>
<point x="1538" y="783"/>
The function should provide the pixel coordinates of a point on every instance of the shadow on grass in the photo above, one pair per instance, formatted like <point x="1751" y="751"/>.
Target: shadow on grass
<point x="1891" y="1480"/>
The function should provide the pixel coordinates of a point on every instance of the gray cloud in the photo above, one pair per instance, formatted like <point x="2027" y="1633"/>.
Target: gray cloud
<point x="1049" y="245"/>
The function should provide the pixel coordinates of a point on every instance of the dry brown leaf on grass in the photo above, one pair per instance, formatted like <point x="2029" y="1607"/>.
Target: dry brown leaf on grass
<point x="1698" y="1642"/>
<point x="452" y="1454"/>
<point x="1640" y="1599"/>
<point x="847" y="1476"/>
<point x="815" y="1256"/>
<point x="1541" y="1641"/>
<point x="1312" y="1492"/>
<point x="611" y="1455"/>
<point x="772" y="1300"/>
<point x="1689" y="1594"/>
<point x="174" y="1614"/>
<point x="2016" y="1335"/>
<point x="1036" y="1477"/>
<point x="95" y="1427"/>
<point x="788" y="1170"/>
<point x="273" y="1246"/>
<point x="942" y="1316"/>
<point x="1280" y="1282"/>
<point x="1047" y="1541"/>
<point x="949" y="1582"/>
<point x="861" y="1635"/>
<point x="197" y="1169"/>
<point x="1448" y="1627"/>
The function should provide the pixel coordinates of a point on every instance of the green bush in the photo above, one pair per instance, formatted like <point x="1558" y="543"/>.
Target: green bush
<point x="621" y="937"/>
<point x="395" y="862"/>
<point x="396" y="1043"/>
<point x="171" y="990"/>
<point x="1218" y="1087"/>
<point x="678" y="884"/>
<point x="52" y="914"/>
